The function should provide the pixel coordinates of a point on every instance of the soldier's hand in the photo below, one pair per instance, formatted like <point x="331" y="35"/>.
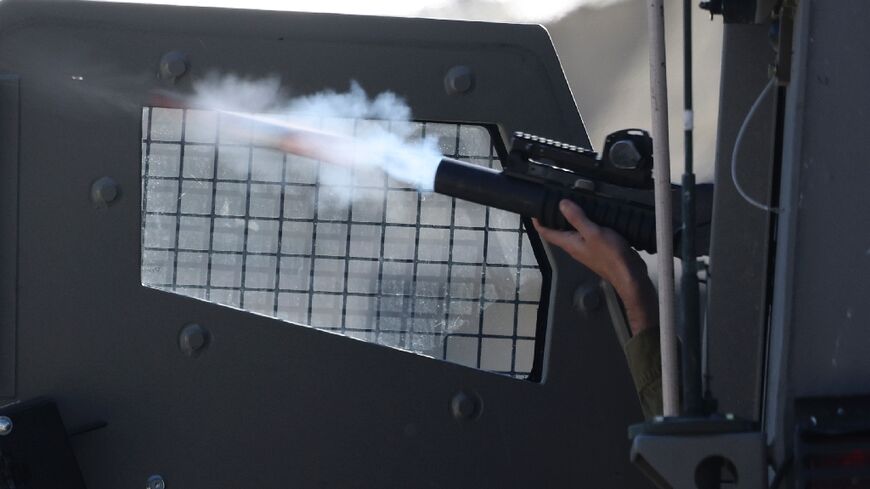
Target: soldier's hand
<point x="608" y="255"/>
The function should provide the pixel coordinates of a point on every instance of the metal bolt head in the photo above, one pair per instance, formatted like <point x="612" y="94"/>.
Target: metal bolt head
<point x="193" y="339"/>
<point x="587" y="299"/>
<point x="173" y="64"/>
<point x="465" y="406"/>
<point x="624" y="155"/>
<point x="5" y="425"/>
<point x="104" y="191"/>
<point x="155" y="482"/>
<point x="459" y="79"/>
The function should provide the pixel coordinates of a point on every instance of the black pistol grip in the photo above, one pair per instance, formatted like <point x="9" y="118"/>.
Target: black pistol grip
<point x="636" y="224"/>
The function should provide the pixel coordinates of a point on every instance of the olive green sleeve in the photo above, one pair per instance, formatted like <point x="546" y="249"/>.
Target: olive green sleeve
<point x="643" y="352"/>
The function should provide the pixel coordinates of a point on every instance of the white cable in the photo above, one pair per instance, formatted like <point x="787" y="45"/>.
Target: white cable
<point x="664" y="219"/>
<point x="739" y="141"/>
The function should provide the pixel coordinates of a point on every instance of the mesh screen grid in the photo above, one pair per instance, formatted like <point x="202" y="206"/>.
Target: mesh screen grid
<point x="362" y="255"/>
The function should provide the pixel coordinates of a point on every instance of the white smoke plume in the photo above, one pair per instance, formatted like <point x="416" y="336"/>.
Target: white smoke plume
<point x="490" y="10"/>
<point x="376" y="133"/>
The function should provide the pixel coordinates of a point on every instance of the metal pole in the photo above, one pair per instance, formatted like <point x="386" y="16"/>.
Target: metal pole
<point x="664" y="224"/>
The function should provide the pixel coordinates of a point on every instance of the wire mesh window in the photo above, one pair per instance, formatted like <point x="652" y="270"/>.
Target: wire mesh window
<point x="276" y="234"/>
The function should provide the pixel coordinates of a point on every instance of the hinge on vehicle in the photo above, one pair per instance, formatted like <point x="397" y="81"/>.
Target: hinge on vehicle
<point x="783" y="40"/>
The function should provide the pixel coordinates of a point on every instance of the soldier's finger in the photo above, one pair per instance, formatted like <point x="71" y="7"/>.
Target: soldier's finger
<point x="577" y="218"/>
<point x="567" y="240"/>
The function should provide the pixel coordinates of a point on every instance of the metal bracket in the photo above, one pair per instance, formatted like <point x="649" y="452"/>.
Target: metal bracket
<point x="34" y="450"/>
<point x="696" y="453"/>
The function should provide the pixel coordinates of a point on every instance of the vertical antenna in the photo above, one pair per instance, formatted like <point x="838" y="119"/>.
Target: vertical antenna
<point x="689" y="304"/>
<point x="664" y="219"/>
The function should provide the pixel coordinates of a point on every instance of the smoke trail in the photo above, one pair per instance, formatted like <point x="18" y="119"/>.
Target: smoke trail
<point x="375" y="134"/>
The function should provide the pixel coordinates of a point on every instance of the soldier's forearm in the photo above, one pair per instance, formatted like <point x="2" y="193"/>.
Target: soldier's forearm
<point x="638" y="295"/>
